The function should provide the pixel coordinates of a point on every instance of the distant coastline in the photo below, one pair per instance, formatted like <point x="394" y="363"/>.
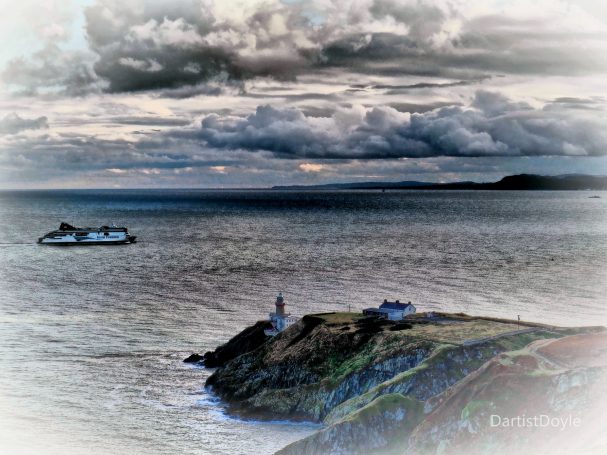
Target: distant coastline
<point x="570" y="182"/>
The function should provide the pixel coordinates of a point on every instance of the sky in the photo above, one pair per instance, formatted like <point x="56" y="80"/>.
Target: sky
<point x="231" y="94"/>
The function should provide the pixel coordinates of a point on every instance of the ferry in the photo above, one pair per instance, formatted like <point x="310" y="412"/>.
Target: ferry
<point x="71" y="235"/>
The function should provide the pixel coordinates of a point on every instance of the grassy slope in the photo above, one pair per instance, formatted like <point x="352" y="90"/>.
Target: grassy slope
<point x="433" y="367"/>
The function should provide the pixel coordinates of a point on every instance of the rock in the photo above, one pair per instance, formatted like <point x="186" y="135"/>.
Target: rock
<point x="247" y="340"/>
<point x="193" y="358"/>
<point x="382" y="424"/>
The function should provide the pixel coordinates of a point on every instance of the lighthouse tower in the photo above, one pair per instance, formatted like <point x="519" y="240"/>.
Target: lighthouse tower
<point x="280" y="319"/>
<point x="280" y="305"/>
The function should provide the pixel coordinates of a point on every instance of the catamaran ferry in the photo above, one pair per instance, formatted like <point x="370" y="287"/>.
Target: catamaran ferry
<point x="104" y="235"/>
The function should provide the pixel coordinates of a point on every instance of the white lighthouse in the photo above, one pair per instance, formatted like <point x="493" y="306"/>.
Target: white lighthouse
<point x="280" y="319"/>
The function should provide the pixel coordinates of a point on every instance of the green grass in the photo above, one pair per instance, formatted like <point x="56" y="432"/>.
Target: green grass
<point x="339" y="318"/>
<point x="372" y="394"/>
<point x="453" y="328"/>
<point x="354" y="363"/>
<point x="387" y="403"/>
<point x="509" y="359"/>
<point x="457" y="332"/>
<point x="439" y="356"/>
<point x="474" y="407"/>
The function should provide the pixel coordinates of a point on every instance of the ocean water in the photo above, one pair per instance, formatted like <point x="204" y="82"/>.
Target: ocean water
<point x="92" y="338"/>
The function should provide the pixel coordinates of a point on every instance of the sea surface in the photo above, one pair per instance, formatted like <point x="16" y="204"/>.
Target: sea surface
<point x="92" y="338"/>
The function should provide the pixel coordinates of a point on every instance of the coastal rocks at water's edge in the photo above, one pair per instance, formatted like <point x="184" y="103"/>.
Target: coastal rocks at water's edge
<point x="194" y="358"/>
<point x="429" y="386"/>
<point x="247" y="340"/>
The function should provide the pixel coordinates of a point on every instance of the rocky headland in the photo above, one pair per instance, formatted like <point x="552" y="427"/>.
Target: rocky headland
<point x="429" y="384"/>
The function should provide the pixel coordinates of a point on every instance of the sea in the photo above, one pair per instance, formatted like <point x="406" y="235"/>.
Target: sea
<point x="92" y="338"/>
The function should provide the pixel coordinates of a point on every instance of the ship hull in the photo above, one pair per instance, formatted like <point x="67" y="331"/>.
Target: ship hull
<point x="85" y="242"/>
<point x="68" y="235"/>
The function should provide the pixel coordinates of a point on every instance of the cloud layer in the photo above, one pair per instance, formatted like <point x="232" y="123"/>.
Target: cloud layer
<point x="492" y="126"/>
<point x="149" y="44"/>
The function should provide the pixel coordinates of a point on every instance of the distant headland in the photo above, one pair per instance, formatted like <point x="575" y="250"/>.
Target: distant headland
<point x="511" y="182"/>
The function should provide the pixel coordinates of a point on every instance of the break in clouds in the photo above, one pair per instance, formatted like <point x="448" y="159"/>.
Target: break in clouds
<point x="131" y="88"/>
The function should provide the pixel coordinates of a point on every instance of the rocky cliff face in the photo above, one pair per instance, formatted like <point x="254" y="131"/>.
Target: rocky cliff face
<point x="376" y="384"/>
<point x="548" y="398"/>
<point x="318" y="363"/>
<point x="248" y="340"/>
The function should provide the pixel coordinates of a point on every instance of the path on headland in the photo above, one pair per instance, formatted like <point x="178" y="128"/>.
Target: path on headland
<point x="582" y="350"/>
<point x="500" y="335"/>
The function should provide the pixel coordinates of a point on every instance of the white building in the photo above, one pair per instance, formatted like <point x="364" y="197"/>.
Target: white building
<point x="394" y="311"/>
<point x="280" y="319"/>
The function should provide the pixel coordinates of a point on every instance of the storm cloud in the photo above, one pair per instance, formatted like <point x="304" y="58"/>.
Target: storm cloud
<point x="492" y="125"/>
<point x="149" y="44"/>
<point x="53" y="70"/>
<point x="169" y="45"/>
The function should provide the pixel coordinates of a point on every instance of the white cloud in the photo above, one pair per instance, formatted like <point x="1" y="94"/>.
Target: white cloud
<point x="492" y="125"/>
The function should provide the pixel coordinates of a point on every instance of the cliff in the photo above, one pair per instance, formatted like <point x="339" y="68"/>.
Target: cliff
<point x="563" y="380"/>
<point x="377" y="385"/>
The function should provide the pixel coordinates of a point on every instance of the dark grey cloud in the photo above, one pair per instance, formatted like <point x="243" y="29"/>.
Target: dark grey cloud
<point x="55" y="71"/>
<point x="170" y="45"/>
<point x="151" y="121"/>
<point x="13" y="123"/>
<point x="72" y="152"/>
<point x="295" y="96"/>
<point x="492" y="126"/>
<point x="574" y="100"/>
<point x="424" y="85"/>
<point x="420" y="107"/>
<point x="485" y="45"/>
<point x="395" y="55"/>
<point x="155" y="162"/>
<point x="189" y="91"/>
<point x="317" y="111"/>
<point x="423" y="19"/>
<point x="356" y="143"/>
<point x="190" y="47"/>
<point x="570" y="102"/>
